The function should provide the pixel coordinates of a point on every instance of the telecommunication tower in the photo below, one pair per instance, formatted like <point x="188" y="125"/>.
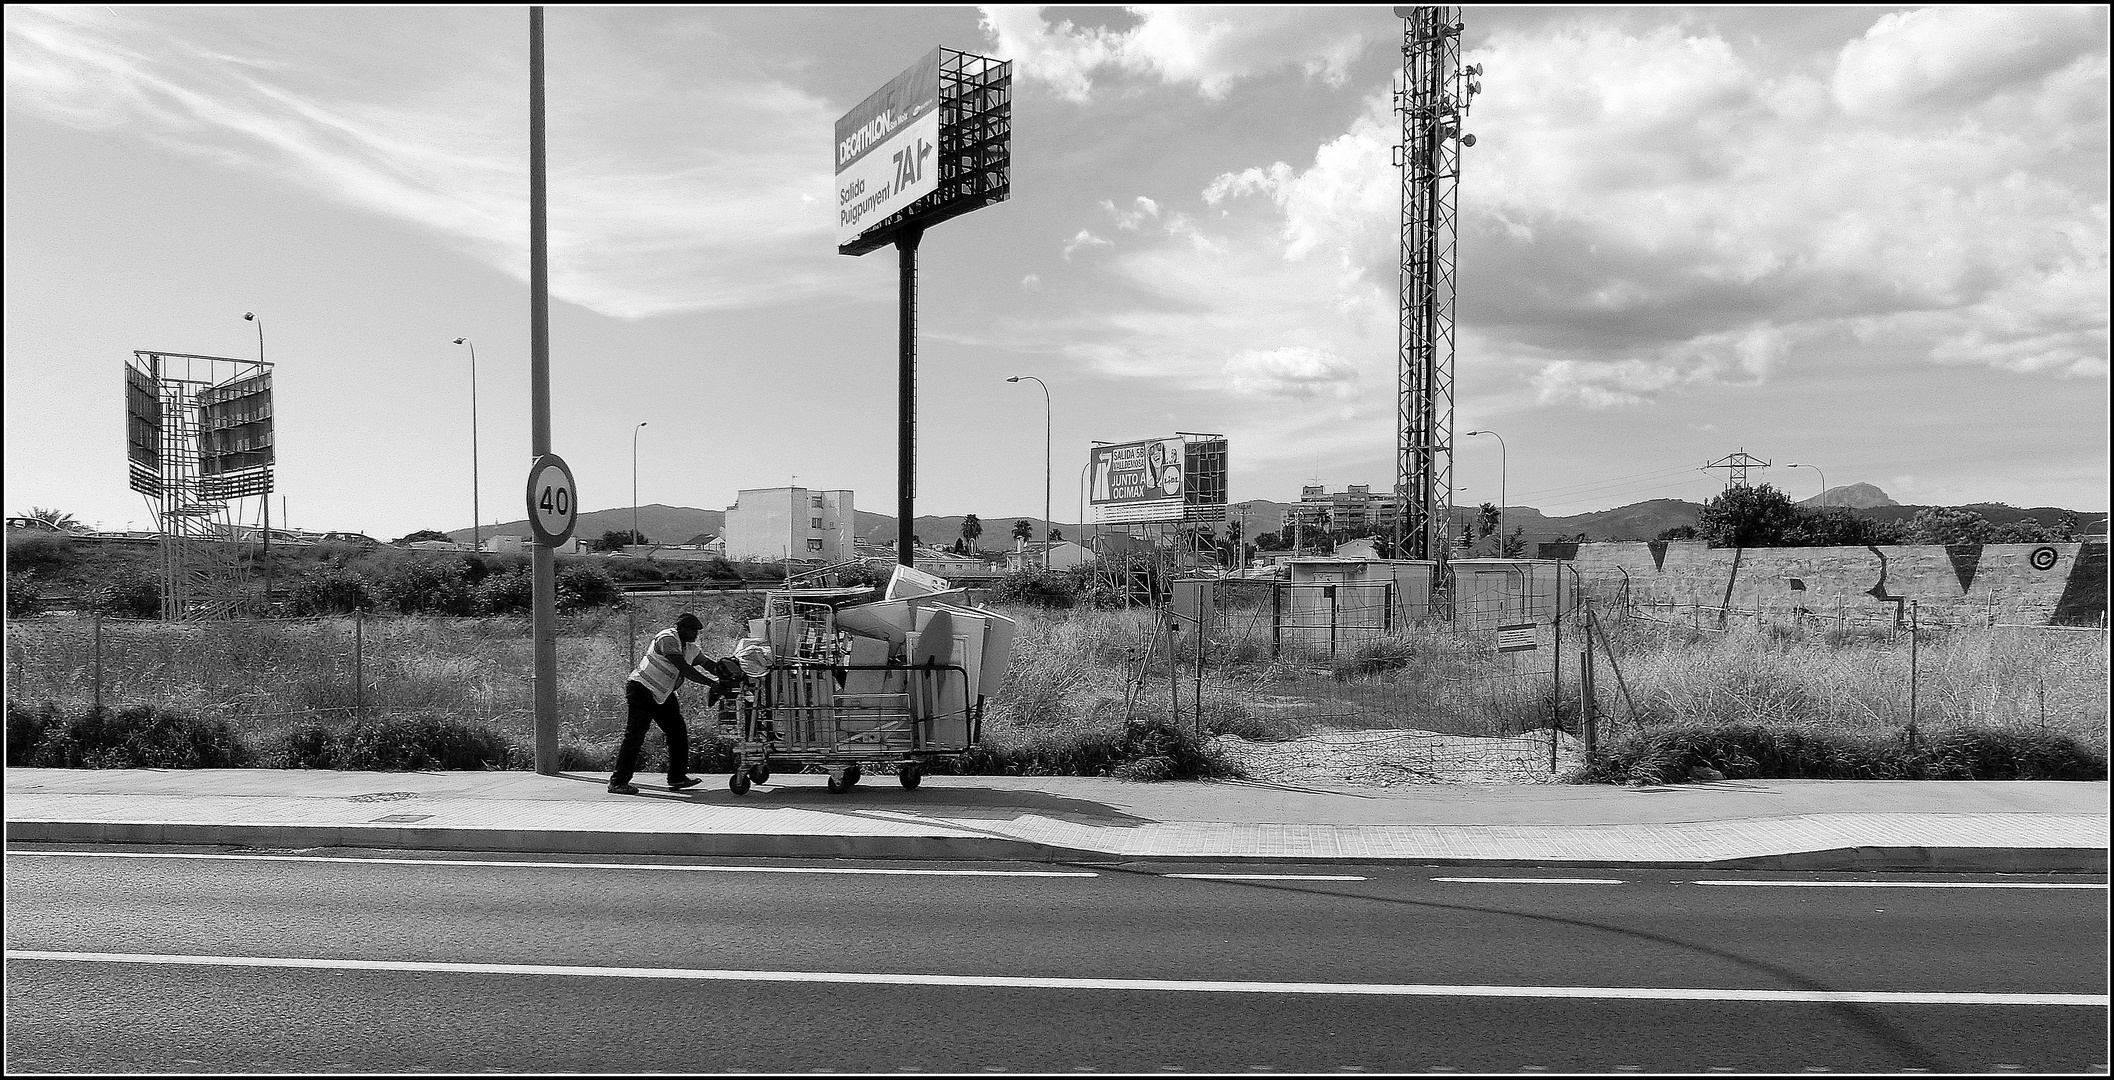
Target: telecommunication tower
<point x="1432" y="102"/>
<point x="1736" y="465"/>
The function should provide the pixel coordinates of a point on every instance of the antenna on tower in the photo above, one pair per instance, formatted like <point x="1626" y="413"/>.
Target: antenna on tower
<point x="1432" y="102"/>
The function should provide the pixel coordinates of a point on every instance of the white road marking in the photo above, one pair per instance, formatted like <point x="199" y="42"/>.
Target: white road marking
<point x="1533" y="880"/>
<point x="566" y="865"/>
<point x="1209" y="986"/>
<point x="1916" y="884"/>
<point x="1269" y="877"/>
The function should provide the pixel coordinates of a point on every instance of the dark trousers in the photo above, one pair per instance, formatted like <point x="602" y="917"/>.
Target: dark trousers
<point x="641" y="711"/>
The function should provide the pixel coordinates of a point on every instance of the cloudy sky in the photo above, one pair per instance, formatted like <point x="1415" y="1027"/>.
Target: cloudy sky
<point x="1869" y="239"/>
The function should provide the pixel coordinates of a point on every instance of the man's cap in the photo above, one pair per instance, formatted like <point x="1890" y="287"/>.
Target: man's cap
<point x="687" y="619"/>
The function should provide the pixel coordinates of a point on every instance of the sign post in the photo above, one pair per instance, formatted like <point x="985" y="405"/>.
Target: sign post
<point x="544" y="607"/>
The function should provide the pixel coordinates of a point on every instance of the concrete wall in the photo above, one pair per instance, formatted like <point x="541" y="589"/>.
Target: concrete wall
<point x="2036" y="584"/>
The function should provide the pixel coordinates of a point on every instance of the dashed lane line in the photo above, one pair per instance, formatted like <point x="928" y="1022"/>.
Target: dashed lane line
<point x="1269" y="877"/>
<point x="882" y="978"/>
<point x="562" y="865"/>
<point x="1532" y="880"/>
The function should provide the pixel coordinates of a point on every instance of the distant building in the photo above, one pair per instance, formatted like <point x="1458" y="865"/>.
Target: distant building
<point x="509" y="544"/>
<point x="1356" y="507"/>
<point x="1064" y="555"/>
<point x="775" y="524"/>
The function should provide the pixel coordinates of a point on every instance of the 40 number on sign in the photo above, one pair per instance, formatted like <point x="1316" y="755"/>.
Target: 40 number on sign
<point x="553" y="500"/>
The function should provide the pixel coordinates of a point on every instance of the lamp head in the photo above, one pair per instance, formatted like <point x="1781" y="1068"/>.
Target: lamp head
<point x="1015" y="378"/>
<point x="1478" y="431"/>
<point x="248" y="315"/>
<point x="459" y="341"/>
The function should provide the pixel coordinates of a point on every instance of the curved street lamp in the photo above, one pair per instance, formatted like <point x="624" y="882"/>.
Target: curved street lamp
<point x="1045" y="463"/>
<point x="476" y="515"/>
<point x="1502" y="469"/>
<point x="635" y="537"/>
<point x="251" y="316"/>
<point x="1815" y="468"/>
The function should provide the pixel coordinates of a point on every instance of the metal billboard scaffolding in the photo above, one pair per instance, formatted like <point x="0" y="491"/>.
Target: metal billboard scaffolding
<point x="198" y="433"/>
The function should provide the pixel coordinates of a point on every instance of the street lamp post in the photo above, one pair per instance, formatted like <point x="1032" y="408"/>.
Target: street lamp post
<point x="1502" y="468"/>
<point x="635" y="537"/>
<point x="1815" y="468"/>
<point x="476" y="515"/>
<point x="251" y="316"/>
<point x="1046" y="421"/>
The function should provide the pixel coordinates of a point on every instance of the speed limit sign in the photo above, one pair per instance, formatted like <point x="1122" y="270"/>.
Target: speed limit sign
<point x="553" y="501"/>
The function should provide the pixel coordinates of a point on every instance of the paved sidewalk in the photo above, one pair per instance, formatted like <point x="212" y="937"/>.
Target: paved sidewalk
<point x="2016" y="826"/>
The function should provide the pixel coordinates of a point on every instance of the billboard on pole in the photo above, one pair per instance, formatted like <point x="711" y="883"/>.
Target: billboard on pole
<point x="1158" y="480"/>
<point x="886" y="149"/>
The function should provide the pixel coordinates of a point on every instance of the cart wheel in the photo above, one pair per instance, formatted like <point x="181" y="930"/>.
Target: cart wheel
<point x="910" y="775"/>
<point x="759" y="774"/>
<point x="738" y="783"/>
<point x="852" y="775"/>
<point x="837" y="785"/>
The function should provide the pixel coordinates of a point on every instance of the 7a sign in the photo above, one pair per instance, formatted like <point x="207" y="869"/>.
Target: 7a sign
<point x="553" y="501"/>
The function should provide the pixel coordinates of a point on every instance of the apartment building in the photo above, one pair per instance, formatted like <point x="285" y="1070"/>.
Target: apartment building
<point x="771" y="524"/>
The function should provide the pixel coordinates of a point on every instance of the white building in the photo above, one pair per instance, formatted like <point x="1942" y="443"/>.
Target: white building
<point x="772" y="524"/>
<point x="1064" y="555"/>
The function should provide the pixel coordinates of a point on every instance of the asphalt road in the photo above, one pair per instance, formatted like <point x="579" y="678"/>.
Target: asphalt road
<point x="346" y="962"/>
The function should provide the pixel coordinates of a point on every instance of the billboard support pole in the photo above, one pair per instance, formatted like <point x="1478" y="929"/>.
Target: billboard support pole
<point x="906" y="383"/>
<point x="544" y="614"/>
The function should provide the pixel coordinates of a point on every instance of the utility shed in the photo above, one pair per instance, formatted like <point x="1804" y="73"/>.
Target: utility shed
<point x="1488" y="593"/>
<point x="1411" y="579"/>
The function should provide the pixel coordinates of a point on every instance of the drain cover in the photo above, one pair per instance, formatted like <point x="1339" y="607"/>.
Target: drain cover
<point x="404" y="818"/>
<point x="383" y="796"/>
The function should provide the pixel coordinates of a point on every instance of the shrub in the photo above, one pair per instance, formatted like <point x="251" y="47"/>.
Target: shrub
<point x="1764" y="752"/>
<point x="584" y="586"/>
<point x="1037" y="588"/>
<point x="403" y="744"/>
<point x="21" y="595"/>
<point x="126" y="737"/>
<point x="1088" y="749"/>
<point x="331" y="590"/>
<point x="427" y="587"/>
<point x="511" y="592"/>
<point x="45" y="552"/>
<point x="127" y="594"/>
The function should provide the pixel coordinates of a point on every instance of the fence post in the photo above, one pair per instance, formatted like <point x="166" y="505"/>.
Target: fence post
<point x="1585" y="685"/>
<point x="99" y="661"/>
<point x="359" y="664"/>
<point x="1203" y="605"/>
<point x="1329" y="591"/>
<point x="1277" y="618"/>
<point x="1174" y="672"/>
<point x="1912" y="673"/>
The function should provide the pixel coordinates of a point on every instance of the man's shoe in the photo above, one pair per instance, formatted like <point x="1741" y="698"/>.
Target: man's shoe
<point x="622" y="789"/>
<point x="685" y="782"/>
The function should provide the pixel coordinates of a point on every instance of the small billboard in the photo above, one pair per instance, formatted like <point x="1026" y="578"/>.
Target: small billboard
<point x="235" y="450"/>
<point x="143" y="431"/>
<point x="886" y="149"/>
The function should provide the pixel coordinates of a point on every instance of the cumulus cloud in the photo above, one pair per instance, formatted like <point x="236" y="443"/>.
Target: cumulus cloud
<point x="1084" y="239"/>
<point x="1291" y="371"/>
<point x="1207" y="49"/>
<point x="1952" y="56"/>
<point x="638" y="227"/>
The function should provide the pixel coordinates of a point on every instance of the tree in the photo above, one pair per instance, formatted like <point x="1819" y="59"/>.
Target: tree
<point x="971" y="529"/>
<point x="423" y="535"/>
<point x="615" y="539"/>
<point x="1269" y="541"/>
<point x="1743" y="516"/>
<point x="1056" y="534"/>
<point x="1022" y="530"/>
<point x="1839" y="526"/>
<point x="1678" y="532"/>
<point x="1486" y="519"/>
<point x="1946" y="525"/>
<point x="1515" y="545"/>
<point x="57" y="519"/>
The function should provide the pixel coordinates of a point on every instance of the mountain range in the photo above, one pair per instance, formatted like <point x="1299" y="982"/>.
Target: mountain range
<point x="663" y="524"/>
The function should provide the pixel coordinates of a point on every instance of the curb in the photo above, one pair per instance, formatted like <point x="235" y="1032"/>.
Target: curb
<point x="1958" y="860"/>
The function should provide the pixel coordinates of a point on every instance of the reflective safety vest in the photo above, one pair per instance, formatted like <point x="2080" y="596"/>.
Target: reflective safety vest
<point x="657" y="671"/>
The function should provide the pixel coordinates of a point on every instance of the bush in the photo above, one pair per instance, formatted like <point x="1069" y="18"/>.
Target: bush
<point x="427" y="587"/>
<point x="584" y="586"/>
<point x="1036" y="588"/>
<point x="511" y="592"/>
<point x="1762" y="752"/>
<point x="21" y="595"/>
<point x="1149" y="750"/>
<point x="332" y="590"/>
<point x="46" y="552"/>
<point x="127" y="594"/>
<point x="127" y="737"/>
<point x="403" y="744"/>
